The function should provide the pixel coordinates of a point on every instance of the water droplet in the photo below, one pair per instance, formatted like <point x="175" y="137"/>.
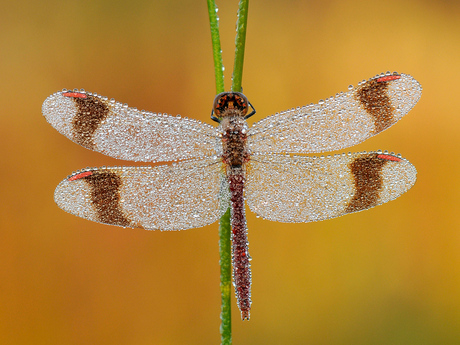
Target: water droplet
<point x="350" y="87"/>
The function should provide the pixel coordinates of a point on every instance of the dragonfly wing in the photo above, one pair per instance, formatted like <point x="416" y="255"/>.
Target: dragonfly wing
<point x="339" y="122"/>
<point x="166" y="197"/>
<point x="116" y="130"/>
<point x="307" y="189"/>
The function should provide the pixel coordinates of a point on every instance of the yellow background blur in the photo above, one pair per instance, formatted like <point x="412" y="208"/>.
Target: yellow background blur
<point x="390" y="275"/>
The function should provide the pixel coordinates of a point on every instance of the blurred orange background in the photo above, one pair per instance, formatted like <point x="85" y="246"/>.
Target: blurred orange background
<point x="390" y="275"/>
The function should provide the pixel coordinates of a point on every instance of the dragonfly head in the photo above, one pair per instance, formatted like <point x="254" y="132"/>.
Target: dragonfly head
<point x="230" y="103"/>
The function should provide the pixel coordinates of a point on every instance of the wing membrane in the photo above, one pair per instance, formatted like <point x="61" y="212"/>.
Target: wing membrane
<point x="341" y="121"/>
<point x="118" y="131"/>
<point x="166" y="197"/>
<point x="307" y="189"/>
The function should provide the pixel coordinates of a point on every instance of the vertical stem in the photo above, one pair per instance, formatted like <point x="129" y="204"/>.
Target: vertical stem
<point x="240" y="42"/>
<point x="216" y="49"/>
<point x="225" y="252"/>
<point x="224" y="225"/>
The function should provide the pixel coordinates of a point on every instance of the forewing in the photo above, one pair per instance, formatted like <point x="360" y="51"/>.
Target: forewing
<point x="307" y="189"/>
<point x="338" y="122"/>
<point x="167" y="197"/>
<point x="116" y="130"/>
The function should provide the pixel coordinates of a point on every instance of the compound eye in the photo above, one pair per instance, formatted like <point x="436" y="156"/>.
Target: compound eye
<point x="219" y="101"/>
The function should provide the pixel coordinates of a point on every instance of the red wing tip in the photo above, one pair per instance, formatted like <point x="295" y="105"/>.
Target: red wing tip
<point x="389" y="158"/>
<point x="388" y="78"/>
<point x="80" y="175"/>
<point x="75" y="94"/>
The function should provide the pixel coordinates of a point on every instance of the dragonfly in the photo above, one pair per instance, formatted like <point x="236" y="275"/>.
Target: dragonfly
<point x="212" y="169"/>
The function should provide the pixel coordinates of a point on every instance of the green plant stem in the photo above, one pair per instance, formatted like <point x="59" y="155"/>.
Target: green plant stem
<point x="240" y="42"/>
<point x="225" y="252"/>
<point x="216" y="49"/>
<point x="224" y="225"/>
<point x="225" y="248"/>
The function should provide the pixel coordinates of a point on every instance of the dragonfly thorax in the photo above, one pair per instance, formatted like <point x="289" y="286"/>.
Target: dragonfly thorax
<point x="234" y="139"/>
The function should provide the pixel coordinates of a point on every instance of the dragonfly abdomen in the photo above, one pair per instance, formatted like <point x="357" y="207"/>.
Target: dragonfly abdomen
<point x="240" y="252"/>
